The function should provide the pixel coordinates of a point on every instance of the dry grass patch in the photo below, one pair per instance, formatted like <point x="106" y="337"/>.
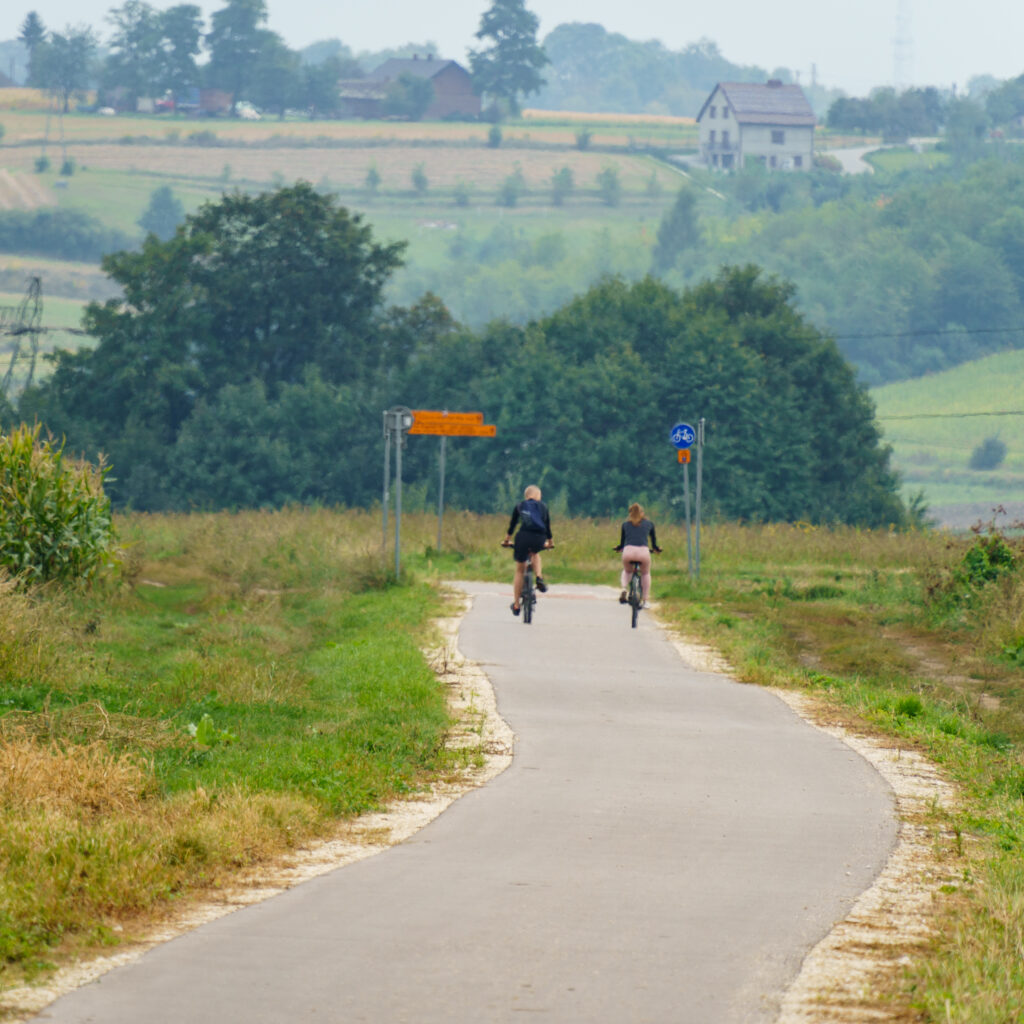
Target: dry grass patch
<point x="347" y="168"/>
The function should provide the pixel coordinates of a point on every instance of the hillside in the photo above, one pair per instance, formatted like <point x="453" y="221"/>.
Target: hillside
<point x="935" y="422"/>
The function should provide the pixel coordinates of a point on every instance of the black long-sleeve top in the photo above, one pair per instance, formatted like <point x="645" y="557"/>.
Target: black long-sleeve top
<point x="517" y="519"/>
<point x="636" y="534"/>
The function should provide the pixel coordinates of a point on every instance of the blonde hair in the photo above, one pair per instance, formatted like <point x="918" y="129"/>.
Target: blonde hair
<point x="636" y="514"/>
<point x="533" y="491"/>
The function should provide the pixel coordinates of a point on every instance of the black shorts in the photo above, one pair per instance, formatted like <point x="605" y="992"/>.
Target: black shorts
<point x="528" y="542"/>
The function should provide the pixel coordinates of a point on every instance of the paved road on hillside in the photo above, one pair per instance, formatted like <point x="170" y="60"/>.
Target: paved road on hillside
<point x="666" y="847"/>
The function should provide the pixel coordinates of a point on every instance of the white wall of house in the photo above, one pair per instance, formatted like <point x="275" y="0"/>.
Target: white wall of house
<point x="784" y="148"/>
<point x="719" y="134"/>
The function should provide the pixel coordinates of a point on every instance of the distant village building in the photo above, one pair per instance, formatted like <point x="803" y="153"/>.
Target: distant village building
<point x="453" y="88"/>
<point x="768" y="122"/>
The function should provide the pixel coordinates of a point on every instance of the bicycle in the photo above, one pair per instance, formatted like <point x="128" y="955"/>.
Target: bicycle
<point x="635" y="593"/>
<point x="528" y="595"/>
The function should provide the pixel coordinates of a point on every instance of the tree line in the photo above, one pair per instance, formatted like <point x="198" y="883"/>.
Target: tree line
<point x="155" y="53"/>
<point x="251" y="354"/>
<point x="989" y="107"/>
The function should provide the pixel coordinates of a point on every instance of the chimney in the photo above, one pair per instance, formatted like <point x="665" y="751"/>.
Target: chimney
<point x="774" y="83"/>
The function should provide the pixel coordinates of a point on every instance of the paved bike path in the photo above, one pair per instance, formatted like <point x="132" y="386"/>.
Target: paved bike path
<point x="666" y="847"/>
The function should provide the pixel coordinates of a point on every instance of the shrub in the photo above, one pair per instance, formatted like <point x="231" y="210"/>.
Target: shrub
<point x="512" y="188"/>
<point x="561" y="185"/>
<point x="55" y="521"/>
<point x="419" y="180"/>
<point x="609" y="187"/>
<point x="462" y="193"/>
<point x="58" y="233"/>
<point x="42" y="164"/>
<point x="988" y="455"/>
<point x="372" y="180"/>
<point x="583" y="137"/>
<point x="494" y="137"/>
<point x="68" y="167"/>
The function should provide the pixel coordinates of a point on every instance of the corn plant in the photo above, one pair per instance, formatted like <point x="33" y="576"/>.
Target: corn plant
<point x="55" y="521"/>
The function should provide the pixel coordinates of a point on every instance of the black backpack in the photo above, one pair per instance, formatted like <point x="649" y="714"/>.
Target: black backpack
<point x="530" y="516"/>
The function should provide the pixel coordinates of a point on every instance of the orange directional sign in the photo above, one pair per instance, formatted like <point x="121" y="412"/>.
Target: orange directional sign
<point x="444" y="428"/>
<point x="423" y="416"/>
<point x="683" y="453"/>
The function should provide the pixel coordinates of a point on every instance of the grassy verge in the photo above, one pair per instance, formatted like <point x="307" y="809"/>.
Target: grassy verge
<point x="918" y="636"/>
<point x="249" y="681"/>
<point x="279" y="640"/>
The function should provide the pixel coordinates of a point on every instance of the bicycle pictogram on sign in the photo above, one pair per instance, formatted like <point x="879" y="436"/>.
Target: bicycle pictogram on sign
<point x="683" y="435"/>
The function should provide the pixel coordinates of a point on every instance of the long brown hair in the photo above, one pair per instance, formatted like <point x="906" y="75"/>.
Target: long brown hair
<point x="636" y="514"/>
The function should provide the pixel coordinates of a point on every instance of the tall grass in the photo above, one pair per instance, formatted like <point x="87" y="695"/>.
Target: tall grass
<point x="238" y="685"/>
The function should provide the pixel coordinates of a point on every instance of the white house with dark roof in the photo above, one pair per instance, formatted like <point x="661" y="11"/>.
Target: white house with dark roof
<point x="767" y="122"/>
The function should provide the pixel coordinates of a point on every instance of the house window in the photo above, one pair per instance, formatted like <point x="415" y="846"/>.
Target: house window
<point x="713" y="112"/>
<point x="711" y="137"/>
<point x="798" y="161"/>
<point x="725" y="111"/>
<point x="725" y="138"/>
<point x="778" y="137"/>
<point x="773" y="162"/>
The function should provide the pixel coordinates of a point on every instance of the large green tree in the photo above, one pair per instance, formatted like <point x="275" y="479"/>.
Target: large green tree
<point x="238" y="43"/>
<point x="136" y="54"/>
<point x="181" y="30"/>
<point x="33" y="34"/>
<point x="509" y="65"/>
<point x="584" y="401"/>
<point x="64" y="63"/>
<point x="252" y="288"/>
<point x="678" y="231"/>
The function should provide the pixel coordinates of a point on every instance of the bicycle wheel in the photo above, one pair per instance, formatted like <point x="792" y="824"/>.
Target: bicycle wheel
<point x="636" y="597"/>
<point x="527" y="599"/>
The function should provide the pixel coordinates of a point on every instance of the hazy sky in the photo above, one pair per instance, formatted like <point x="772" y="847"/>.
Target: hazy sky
<point x="852" y="44"/>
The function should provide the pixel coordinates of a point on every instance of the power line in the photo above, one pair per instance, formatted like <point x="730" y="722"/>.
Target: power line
<point x="949" y="415"/>
<point x="930" y="333"/>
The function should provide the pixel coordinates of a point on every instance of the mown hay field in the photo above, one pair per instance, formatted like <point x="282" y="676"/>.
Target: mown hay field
<point x="25" y="125"/>
<point x="347" y="168"/>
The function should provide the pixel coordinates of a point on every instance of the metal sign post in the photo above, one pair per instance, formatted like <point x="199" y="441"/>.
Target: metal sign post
<point x="700" y="474"/>
<point x="397" y="422"/>
<point x="440" y="494"/>
<point x="386" y="498"/>
<point x="682" y="436"/>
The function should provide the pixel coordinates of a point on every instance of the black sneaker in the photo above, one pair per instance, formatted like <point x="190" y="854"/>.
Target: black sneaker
<point x="622" y="598"/>
<point x="541" y="585"/>
<point x="515" y="610"/>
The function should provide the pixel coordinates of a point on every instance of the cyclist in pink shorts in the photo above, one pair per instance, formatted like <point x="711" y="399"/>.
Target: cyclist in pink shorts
<point x="636" y="542"/>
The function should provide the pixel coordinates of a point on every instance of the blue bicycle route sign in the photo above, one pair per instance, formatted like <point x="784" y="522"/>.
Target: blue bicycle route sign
<point x="682" y="435"/>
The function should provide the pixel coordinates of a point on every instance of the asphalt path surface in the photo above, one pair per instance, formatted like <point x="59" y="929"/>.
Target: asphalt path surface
<point x="666" y="846"/>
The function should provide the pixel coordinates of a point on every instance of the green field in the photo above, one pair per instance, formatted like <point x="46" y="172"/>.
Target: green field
<point x="905" y="158"/>
<point x="934" y="424"/>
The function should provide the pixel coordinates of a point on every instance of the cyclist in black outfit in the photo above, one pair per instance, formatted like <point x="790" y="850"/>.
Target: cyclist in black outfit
<point x="530" y="517"/>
